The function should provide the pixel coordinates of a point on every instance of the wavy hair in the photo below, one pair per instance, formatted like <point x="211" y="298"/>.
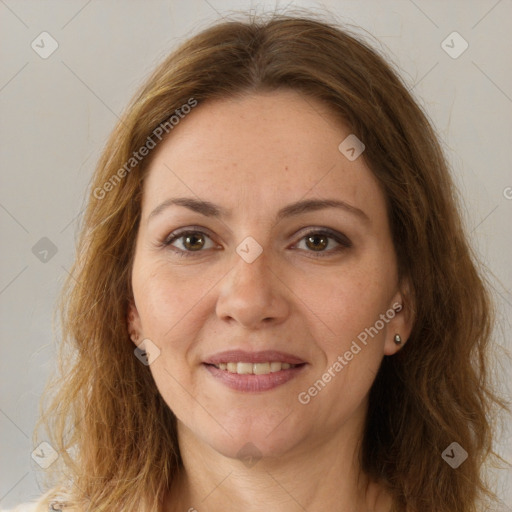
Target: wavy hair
<point x="115" y="434"/>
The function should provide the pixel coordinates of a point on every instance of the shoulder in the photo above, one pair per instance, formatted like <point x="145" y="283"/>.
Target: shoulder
<point x="33" y="506"/>
<point x="45" y="503"/>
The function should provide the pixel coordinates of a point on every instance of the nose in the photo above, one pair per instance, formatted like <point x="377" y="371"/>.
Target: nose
<point x="253" y="294"/>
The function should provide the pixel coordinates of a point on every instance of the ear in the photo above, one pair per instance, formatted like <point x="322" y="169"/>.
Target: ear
<point x="134" y="324"/>
<point x="403" y="319"/>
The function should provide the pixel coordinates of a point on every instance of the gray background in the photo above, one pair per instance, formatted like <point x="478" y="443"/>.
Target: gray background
<point x="57" y="112"/>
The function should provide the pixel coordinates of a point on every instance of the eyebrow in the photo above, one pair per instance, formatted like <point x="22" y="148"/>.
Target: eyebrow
<point x="210" y="209"/>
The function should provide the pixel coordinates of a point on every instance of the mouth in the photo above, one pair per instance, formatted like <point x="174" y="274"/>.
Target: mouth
<point x="254" y="371"/>
<point x="263" y="356"/>
<point x="246" y="368"/>
<point x="254" y="382"/>
<point x="245" y="371"/>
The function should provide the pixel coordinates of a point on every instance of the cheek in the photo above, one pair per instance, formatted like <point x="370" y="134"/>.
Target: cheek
<point x="169" y="306"/>
<point x="165" y="299"/>
<point x="351" y="352"/>
<point x="346" y="302"/>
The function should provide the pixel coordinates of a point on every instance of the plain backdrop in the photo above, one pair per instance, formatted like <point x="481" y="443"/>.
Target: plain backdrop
<point x="56" y="113"/>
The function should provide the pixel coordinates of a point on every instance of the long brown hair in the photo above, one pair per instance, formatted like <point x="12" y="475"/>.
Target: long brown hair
<point x="115" y="434"/>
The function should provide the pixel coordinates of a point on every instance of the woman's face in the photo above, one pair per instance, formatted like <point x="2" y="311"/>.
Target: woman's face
<point x="260" y="282"/>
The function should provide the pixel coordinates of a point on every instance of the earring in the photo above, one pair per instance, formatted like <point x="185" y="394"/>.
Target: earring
<point x="398" y="339"/>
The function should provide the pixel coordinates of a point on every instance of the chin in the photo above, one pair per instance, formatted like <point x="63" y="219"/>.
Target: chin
<point x="269" y="434"/>
<point x="249" y="448"/>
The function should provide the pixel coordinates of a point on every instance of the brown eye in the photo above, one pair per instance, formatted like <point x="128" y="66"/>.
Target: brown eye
<point x="187" y="242"/>
<point x="317" y="242"/>
<point x="321" y="241"/>
<point x="193" y="242"/>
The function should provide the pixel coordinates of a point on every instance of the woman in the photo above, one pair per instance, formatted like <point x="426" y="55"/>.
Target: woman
<point x="274" y="305"/>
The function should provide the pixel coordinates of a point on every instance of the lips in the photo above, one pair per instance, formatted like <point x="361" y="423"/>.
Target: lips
<point x="251" y="383"/>
<point x="265" y="356"/>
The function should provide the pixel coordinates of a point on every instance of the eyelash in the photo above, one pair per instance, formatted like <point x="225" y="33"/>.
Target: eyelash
<point x="344" y="242"/>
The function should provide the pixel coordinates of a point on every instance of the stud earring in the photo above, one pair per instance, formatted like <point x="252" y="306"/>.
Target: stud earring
<point x="398" y="339"/>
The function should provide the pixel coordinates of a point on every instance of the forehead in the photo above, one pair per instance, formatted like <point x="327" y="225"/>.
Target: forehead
<point x="263" y="149"/>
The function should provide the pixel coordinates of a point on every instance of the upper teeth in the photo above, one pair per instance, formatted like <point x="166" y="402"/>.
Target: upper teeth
<point x="254" y="368"/>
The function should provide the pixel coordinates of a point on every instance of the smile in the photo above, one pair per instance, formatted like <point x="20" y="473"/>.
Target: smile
<point x="265" y="368"/>
<point x="245" y="377"/>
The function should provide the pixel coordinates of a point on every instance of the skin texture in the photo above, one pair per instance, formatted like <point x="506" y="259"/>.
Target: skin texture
<point x="254" y="155"/>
